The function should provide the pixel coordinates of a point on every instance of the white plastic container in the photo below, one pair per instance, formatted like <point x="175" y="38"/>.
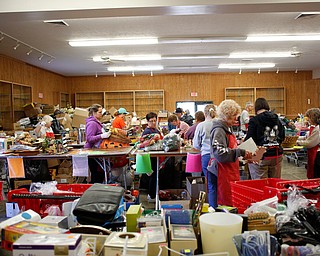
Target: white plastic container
<point x="217" y="230"/>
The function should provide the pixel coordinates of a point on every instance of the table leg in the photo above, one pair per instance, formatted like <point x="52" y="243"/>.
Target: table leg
<point x="157" y="184"/>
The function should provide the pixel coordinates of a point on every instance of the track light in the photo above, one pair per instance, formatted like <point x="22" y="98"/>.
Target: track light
<point x="277" y="71"/>
<point x="133" y="73"/>
<point x="29" y="48"/>
<point x="114" y="74"/>
<point x="49" y="61"/>
<point x="16" y="47"/>
<point x="151" y="73"/>
<point x="259" y="71"/>
<point x="240" y="71"/>
<point x="296" y="71"/>
<point x="96" y="74"/>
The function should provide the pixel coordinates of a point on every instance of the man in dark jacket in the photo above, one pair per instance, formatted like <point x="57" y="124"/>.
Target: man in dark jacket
<point x="266" y="130"/>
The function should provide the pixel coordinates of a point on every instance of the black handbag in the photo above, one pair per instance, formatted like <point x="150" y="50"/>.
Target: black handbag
<point x="98" y="204"/>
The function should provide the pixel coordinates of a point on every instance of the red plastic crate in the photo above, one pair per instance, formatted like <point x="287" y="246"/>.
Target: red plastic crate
<point x="246" y="192"/>
<point x="68" y="192"/>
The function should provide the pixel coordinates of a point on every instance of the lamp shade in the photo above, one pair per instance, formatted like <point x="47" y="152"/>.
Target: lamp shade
<point x="193" y="163"/>
<point x="143" y="163"/>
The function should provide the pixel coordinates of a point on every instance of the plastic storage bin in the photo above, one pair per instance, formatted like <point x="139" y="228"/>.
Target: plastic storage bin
<point x="250" y="191"/>
<point x="40" y="203"/>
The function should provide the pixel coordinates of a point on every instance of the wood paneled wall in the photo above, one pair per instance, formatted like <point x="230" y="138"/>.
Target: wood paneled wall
<point x="210" y="86"/>
<point x="177" y="87"/>
<point x="41" y="81"/>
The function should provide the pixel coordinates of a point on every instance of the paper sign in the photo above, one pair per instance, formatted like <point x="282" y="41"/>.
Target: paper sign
<point x="16" y="167"/>
<point x="249" y="145"/>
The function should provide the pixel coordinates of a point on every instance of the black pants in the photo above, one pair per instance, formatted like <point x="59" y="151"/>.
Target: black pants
<point x="97" y="174"/>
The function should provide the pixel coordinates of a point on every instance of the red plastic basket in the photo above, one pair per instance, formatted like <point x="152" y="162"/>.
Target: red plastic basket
<point x="27" y="200"/>
<point x="246" y="192"/>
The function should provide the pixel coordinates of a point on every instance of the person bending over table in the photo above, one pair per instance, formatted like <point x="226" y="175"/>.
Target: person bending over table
<point x="94" y="136"/>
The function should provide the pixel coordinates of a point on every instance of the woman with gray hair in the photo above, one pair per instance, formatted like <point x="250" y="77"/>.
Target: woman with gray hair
<point x="224" y="161"/>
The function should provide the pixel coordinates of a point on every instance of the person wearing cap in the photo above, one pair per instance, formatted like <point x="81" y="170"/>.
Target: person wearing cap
<point x="119" y="121"/>
<point x="44" y="127"/>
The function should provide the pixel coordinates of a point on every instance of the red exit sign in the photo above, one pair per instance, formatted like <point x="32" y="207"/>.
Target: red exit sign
<point x="194" y="94"/>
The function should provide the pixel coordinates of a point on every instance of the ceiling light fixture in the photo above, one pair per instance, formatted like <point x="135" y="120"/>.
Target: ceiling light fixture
<point x="277" y="71"/>
<point x="242" y="55"/>
<point x="279" y="38"/>
<point x="49" y="61"/>
<point x="240" y="71"/>
<point x="296" y="71"/>
<point x="151" y="73"/>
<point x="22" y="44"/>
<point x="246" y="66"/>
<point x="16" y="47"/>
<point x="132" y="73"/>
<point x="200" y="56"/>
<point x="96" y="74"/>
<point x="206" y="39"/>
<point x="41" y="56"/>
<point x="259" y="71"/>
<point x="124" y="41"/>
<point x="114" y="74"/>
<point x="128" y="58"/>
<point x="135" y="68"/>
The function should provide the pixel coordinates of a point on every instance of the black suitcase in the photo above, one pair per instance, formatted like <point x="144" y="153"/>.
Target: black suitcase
<point x="98" y="204"/>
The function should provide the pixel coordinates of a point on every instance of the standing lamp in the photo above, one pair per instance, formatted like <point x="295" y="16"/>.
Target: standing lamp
<point x="193" y="163"/>
<point x="143" y="163"/>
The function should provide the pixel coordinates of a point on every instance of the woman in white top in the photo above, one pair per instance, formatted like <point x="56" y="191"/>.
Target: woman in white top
<point x="44" y="127"/>
<point x="201" y="141"/>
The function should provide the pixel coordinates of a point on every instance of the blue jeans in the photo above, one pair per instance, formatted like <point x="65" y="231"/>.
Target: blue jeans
<point x="212" y="181"/>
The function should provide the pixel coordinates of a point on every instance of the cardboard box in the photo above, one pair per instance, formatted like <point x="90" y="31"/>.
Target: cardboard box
<point x="49" y="245"/>
<point x="194" y="186"/>
<point x="137" y="244"/>
<point x="186" y="239"/>
<point x="64" y="178"/>
<point x="31" y="109"/>
<point x="177" y="193"/>
<point x="133" y="213"/>
<point x="99" y="242"/>
<point x="157" y="236"/>
<point x="79" y="117"/>
<point x="22" y="183"/>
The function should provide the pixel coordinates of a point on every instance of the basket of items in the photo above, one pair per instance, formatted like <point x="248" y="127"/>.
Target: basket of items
<point x="289" y="141"/>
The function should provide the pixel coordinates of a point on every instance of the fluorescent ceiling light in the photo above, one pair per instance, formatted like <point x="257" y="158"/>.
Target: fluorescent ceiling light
<point x="128" y="58"/>
<point x="247" y="66"/>
<point x="279" y="38"/>
<point x="127" y="41"/>
<point x="187" y="57"/>
<point x="241" y="55"/>
<point x="134" y="68"/>
<point x="205" y="39"/>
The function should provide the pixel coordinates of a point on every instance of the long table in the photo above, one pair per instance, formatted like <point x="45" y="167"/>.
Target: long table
<point x="158" y="154"/>
<point x="104" y="154"/>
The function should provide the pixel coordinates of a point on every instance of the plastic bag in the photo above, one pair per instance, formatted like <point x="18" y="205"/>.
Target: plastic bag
<point x="171" y="142"/>
<point x="268" y="205"/>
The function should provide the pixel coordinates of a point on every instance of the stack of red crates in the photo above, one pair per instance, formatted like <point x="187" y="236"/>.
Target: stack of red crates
<point x="41" y="205"/>
<point x="246" y="192"/>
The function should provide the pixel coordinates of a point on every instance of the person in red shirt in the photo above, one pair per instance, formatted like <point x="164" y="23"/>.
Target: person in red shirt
<point x="119" y="121"/>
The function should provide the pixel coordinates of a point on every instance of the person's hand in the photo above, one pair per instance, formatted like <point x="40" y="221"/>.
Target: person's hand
<point x="248" y="155"/>
<point x="42" y="123"/>
<point x="105" y="135"/>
